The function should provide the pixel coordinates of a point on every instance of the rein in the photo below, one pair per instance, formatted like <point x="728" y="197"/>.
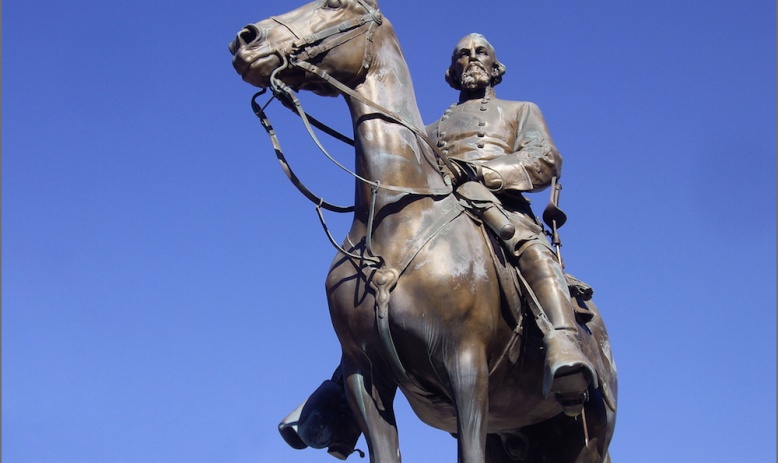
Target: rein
<point x="319" y="201"/>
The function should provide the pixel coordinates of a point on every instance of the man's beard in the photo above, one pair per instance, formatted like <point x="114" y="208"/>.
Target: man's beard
<point x="475" y="77"/>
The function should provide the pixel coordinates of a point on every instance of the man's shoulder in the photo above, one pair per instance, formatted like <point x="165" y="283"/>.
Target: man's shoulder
<point x="517" y="104"/>
<point x="446" y="115"/>
<point x="520" y="109"/>
<point x="430" y="129"/>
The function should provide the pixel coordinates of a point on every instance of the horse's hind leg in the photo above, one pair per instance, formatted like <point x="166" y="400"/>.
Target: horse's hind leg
<point x="372" y="404"/>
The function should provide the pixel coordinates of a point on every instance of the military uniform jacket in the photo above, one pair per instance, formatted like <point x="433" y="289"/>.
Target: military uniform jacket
<point x="508" y="139"/>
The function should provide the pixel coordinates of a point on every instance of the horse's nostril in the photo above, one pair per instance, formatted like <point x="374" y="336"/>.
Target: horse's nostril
<point x="250" y="34"/>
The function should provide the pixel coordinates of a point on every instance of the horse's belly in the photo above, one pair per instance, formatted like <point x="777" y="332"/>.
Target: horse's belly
<point x="509" y="409"/>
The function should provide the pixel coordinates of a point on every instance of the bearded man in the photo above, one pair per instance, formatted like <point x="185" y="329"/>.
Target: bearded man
<point x="505" y="147"/>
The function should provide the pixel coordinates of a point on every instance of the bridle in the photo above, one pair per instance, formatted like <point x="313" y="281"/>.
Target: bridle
<point x="297" y="55"/>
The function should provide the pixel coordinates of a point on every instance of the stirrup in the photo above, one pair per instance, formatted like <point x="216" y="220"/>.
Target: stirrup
<point x="567" y="371"/>
<point x="571" y="389"/>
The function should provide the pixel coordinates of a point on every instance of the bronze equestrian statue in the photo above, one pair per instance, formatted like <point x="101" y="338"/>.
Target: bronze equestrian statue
<point x="423" y="296"/>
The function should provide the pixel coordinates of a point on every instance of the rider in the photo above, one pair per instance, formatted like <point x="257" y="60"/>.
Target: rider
<point x="504" y="149"/>
<point x="505" y="146"/>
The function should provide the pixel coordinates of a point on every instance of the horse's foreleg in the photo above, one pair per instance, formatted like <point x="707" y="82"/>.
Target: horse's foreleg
<point x="372" y="404"/>
<point x="468" y="374"/>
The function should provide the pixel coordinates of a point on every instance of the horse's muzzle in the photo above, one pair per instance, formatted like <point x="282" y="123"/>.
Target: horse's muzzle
<point x="250" y="35"/>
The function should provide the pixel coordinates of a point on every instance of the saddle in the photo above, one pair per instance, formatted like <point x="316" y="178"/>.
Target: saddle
<point x="484" y="207"/>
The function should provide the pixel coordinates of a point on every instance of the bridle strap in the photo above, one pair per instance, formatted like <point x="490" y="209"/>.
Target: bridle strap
<point x="310" y="39"/>
<point x="306" y="47"/>
<point x="310" y="52"/>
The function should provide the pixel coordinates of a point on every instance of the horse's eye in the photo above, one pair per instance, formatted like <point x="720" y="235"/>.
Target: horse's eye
<point x="333" y="4"/>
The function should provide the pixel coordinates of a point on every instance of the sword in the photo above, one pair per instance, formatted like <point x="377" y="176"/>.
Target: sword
<point x="555" y="218"/>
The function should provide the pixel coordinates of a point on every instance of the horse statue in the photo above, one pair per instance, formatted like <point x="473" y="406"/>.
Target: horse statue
<point x="415" y="292"/>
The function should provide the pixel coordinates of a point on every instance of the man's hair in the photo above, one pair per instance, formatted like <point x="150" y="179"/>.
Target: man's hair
<point x="451" y="73"/>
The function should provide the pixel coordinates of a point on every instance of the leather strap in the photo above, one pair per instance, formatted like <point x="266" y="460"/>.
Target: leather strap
<point x="263" y="119"/>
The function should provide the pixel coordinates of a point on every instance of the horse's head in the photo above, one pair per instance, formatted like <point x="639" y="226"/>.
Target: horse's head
<point x="335" y="35"/>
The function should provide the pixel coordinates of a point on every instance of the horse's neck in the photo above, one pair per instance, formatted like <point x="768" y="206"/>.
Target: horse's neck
<point x="386" y="151"/>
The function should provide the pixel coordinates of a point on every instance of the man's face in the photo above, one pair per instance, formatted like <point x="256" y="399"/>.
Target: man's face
<point x="474" y="62"/>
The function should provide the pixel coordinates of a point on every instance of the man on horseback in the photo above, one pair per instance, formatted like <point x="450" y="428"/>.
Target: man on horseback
<point x="499" y="149"/>
<point x="502" y="149"/>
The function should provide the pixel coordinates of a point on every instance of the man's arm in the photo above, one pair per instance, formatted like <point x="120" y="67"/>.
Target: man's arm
<point x="535" y="160"/>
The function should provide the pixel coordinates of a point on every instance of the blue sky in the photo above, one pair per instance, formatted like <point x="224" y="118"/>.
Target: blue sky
<point x="163" y="283"/>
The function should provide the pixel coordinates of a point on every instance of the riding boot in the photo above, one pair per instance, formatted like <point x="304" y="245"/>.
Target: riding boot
<point x="568" y="372"/>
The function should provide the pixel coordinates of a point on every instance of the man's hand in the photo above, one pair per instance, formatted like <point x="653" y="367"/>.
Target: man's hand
<point x="466" y="171"/>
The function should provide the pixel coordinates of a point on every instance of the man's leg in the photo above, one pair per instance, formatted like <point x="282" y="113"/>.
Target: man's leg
<point x="568" y="372"/>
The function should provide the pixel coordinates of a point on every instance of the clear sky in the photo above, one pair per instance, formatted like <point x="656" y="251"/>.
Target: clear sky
<point x="163" y="283"/>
